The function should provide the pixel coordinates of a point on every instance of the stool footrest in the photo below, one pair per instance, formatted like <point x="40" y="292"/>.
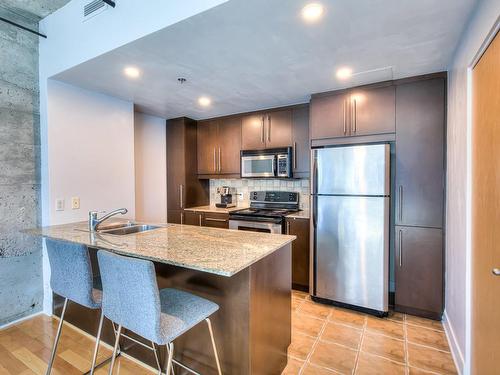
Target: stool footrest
<point x="107" y="360"/>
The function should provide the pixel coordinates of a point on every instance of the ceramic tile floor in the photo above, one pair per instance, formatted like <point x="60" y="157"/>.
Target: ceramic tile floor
<point x="329" y="340"/>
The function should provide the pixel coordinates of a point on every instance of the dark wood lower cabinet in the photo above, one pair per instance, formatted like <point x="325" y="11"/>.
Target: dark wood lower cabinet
<point x="175" y="216"/>
<point x="216" y="220"/>
<point x="193" y="218"/>
<point x="419" y="271"/>
<point x="300" y="252"/>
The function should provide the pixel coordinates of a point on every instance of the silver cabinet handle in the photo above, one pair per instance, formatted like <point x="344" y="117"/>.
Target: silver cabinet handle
<point x="215" y="162"/>
<point x="199" y="217"/>
<point x="294" y="155"/>
<point x="400" y="248"/>
<point x="216" y="220"/>
<point x="262" y="140"/>
<point x="496" y="271"/>
<point x="181" y="196"/>
<point x="400" y="203"/>
<point x="269" y="128"/>
<point x="355" y="116"/>
<point x="182" y="218"/>
<point x="344" y="113"/>
<point x="287" y="227"/>
<point x="220" y="166"/>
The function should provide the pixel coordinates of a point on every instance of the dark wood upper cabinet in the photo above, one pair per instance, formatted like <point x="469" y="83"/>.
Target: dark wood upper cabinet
<point x="356" y="112"/>
<point x="300" y="252"/>
<point x="279" y="129"/>
<point x="183" y="187"/>
<point x="253" y="132"/>
<point x="329" y="116"/>
<point x="219" y="144"/>
<point x="207" y="147"/>
<point x="420" y="172"/>
<point x="229" y="142"/>
<point x="419" y="271"/>
<point x="300" y="138"/>
<point x="372" y="111"/>
<point x="267" y="130"/>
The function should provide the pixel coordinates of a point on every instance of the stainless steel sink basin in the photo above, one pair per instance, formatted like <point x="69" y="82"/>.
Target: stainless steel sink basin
<point x="116" y="225"/>
<point x="129" y="229"/>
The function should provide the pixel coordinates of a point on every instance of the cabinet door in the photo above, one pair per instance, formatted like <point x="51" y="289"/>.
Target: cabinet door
<point x="207" y="147"/>
<point x="300" y="252"/>
<point x="175" y="216"/>
<point x="216" y="220"/>
<point x="300" y="137"/>
<point x="419" y="271"/>
<point x="252" y="132"/>
<point x="373" y="111"/>
<point x="420" y="114"/>
<point x="279" y="129"/>
<point x="193" y="218"/>
<point x="329" y="116"/>
<point x="176" y="177"/>
<point x="229" y="145"/>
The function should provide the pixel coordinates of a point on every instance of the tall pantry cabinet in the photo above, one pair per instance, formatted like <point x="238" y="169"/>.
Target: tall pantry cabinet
<point x="420" y="192"/>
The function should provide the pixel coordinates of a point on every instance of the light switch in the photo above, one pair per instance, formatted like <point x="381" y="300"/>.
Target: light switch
<point x="75" y="203"/>
<point x="59" y="204"/>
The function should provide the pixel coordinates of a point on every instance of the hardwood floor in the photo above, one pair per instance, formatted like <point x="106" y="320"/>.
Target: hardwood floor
<point x="328" y="340"/>
<point x="25" y="350"/>
<point x="325" y="340"/>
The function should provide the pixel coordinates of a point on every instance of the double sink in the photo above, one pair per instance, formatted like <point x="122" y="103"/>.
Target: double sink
<point x="122" y="229"/>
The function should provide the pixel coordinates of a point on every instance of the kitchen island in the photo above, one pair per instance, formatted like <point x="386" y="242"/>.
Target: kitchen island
<point x="248" y="274"/>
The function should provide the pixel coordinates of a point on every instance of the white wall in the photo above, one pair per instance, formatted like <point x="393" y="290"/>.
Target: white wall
<point x="150" y="168"/>
<point x="90" y="152"/>
<point x="458" y="227"/>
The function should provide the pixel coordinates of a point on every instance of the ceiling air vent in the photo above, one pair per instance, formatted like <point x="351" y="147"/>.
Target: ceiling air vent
<point x="93" y="8"/>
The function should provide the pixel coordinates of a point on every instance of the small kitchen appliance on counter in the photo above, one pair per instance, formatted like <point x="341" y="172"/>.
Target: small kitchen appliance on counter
<point x="226" y="197"/>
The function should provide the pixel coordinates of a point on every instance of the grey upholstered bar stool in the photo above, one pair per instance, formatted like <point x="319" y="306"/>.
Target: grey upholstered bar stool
<point x="132" y="300"/>
<point x="71" y="277"/>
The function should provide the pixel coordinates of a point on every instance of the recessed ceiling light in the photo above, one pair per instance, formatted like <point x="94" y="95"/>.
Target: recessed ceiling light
<point x="132" y="72"/>
<point x="204" y="101"/>
<point x="344" y="73"/>
<point x="312" y="12"/>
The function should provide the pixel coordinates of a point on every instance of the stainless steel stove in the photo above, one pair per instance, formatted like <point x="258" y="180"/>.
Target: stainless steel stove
<point x="267" y="212"/>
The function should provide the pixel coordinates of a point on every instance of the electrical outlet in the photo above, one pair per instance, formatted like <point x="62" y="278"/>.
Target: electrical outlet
<point x="75" y="203"/>
<point x="59" y="204"/>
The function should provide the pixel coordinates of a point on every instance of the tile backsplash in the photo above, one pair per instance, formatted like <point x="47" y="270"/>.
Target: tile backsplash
<point x="245" y="186"/>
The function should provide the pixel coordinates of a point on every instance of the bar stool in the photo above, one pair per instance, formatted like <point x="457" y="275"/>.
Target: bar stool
<point x="132" y="300"/>
<point x="71" y="277"/>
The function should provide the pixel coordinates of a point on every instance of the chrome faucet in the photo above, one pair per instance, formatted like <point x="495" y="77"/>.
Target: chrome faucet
<point x="94" y="222"/>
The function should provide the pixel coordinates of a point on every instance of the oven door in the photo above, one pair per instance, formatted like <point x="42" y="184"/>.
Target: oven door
<point x="255" y="226"/>
<point x="258" y="166"/>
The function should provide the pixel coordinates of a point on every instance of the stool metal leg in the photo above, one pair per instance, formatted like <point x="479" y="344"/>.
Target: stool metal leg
<point x="156" y="357"/>
<point x="58" y="336"/>
<point x="117" y="341"/>
<point x="97" y="341"/>
<point x="213" y="344"/>
<point x="170" y="350"/>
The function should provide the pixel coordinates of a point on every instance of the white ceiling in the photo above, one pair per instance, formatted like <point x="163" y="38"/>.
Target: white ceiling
<point x="249" y="55"/>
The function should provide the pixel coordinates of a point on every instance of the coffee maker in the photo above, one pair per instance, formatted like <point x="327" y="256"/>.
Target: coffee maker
<point x="226" y="197"/>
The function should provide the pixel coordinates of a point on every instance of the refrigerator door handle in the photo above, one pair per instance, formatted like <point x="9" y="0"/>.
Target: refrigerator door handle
<point x="400" y="203"/>
<point x="314" y="172"/>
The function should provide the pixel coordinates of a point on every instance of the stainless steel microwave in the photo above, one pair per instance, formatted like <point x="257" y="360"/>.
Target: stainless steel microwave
<point x="270" y="163"/>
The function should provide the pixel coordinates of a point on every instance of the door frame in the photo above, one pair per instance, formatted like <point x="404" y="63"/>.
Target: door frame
<point x="495" y="29"/>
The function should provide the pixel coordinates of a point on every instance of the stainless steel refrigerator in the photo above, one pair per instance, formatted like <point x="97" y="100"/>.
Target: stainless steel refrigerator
<point x="350" y="211"/>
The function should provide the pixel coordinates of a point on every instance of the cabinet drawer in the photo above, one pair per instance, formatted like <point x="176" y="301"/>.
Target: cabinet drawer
<point x="216" y="220"/>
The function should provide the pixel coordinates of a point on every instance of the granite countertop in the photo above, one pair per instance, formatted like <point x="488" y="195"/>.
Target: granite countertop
<point x="214" y="209"/>
<point x="222" y="252"/>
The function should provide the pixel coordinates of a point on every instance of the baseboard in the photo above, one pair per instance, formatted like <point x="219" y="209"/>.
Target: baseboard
<point x="458" y="357"/>
<point x="107" y="346"/>
<point x="20" y="320"/>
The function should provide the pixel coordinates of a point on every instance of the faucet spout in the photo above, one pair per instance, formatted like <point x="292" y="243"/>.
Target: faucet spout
<point x="94" y="221"/>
